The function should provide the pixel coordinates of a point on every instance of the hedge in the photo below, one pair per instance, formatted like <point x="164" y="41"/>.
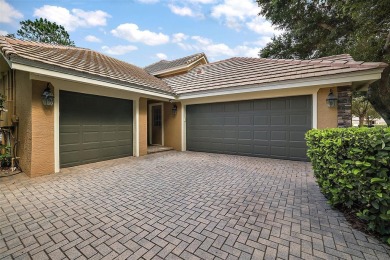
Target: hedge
<point x="352" y="168"/>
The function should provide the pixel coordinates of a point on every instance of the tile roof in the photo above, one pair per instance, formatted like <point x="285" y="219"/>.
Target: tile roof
<point x="164" y="65"/>
<point x="80" y="60"/>
<point x="238" y="72"/>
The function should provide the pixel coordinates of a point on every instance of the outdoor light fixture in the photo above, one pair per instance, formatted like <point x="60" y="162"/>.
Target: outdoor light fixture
<point x="174" y="109"/>
<point x="47" y="96"/>
<point x="331" y="100"/>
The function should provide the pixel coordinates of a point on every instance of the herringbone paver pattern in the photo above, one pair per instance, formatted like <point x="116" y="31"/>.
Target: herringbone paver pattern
<point x="177" y="206"/>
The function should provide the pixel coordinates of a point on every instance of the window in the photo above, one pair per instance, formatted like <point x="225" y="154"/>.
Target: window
<point x="157" y="116"/>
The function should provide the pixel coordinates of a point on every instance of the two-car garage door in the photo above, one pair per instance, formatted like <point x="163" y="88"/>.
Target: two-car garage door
<point x="273" y="128"/>
<point x="94" y="128"/>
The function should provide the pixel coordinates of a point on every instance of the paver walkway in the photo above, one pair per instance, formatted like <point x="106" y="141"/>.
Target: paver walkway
<point x="177" y="206"/>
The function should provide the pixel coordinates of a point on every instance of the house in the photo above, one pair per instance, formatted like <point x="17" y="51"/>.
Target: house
<point x="104" y="108"/>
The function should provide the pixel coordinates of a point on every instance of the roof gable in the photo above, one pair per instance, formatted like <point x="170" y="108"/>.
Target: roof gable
<point x="79" y="60"/>
<point x="165" y="67"/>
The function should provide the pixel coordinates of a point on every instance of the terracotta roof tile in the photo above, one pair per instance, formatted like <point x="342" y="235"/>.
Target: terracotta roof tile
<point x="80" y="60"/>
<point x="239" y="72"/>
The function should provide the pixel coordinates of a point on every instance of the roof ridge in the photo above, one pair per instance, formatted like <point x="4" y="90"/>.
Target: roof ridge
<point x="46" y="44"/>
<point x="320" y="61"/>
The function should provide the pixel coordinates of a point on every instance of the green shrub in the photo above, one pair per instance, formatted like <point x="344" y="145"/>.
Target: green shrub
<point x="352" y="167"/>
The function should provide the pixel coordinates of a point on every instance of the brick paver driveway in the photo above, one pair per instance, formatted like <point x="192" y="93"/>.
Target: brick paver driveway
<point x="177" y="206"/>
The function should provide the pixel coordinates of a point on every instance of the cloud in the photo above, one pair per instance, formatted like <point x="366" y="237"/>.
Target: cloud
<point x="220" y="50"/>
<point x="119" y="49"/>
<point x="161" y="56"/>
<point x="73" y="19"/>
<point x="179" y="37"/>
<point x="235" y="12"/>
<point x="148" y="1"/>
<point x="8" y="13"/>
<point x="91" y="38"/>
<point x="182" y="11"/>
<point x="185" y="11"/>
<point x="202" y="1"/>
<point x="132" y="33"/>
<point x="262" y="26"/>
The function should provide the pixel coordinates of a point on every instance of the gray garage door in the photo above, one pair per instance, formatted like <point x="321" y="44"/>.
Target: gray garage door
<point x="273" y="128"/>
<point x="94" y="128"/>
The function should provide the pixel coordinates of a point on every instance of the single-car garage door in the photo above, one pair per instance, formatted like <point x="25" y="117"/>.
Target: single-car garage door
<point x="94" y="128"/>
<point x="273" y="128"/>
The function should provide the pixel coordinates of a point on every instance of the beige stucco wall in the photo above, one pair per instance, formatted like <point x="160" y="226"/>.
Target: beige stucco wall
<point x="172" y="126"/>
<point x="42" y="158"/>
<point x="143" y="126"/>
<point x="23" y="111"/>
<point x="327" y="117"/>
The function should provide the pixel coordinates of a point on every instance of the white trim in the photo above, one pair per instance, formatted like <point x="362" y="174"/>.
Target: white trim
<point x="87" y="80"/>
<point x="56" y="129"/>
<point x="183" y="127"/>
<point x="136" y="127"/>
<point x="315" y="110"/>
<point x="150" y="121"/>
<point x="297" y="83"/>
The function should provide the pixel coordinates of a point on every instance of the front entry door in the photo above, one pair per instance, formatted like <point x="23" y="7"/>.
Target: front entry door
<point x="156" y="124"/>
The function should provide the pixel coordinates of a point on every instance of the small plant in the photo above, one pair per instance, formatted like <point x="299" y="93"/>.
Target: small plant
<point x="2" y="101"/>
<point x="5" y="156"/>
<point x="352" y="167"/>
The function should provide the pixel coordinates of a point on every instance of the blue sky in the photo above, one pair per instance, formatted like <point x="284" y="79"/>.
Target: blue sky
<point x="144" y="31"/>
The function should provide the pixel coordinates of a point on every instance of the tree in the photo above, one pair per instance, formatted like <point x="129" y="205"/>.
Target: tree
<point x="42" y="30"/>
<point x="319" y="28"/>
<point x="362" y="108"/>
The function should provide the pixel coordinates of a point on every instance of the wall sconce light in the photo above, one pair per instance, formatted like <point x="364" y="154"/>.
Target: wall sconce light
<point x="174" y="109"/>
<point x="331" y="100"/>
<point x="47" y="96"/>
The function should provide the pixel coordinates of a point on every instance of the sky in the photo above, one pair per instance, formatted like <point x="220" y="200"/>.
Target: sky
<point x="142" y="32"/>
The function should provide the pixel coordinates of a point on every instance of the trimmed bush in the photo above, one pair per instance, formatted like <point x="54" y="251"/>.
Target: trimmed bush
<point x="352" y="167"/>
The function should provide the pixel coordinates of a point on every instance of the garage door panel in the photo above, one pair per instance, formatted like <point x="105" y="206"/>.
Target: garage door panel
<point x="231" y="107"/>
<point x="89" y="146"/>
<point x="245" y="120"/>
<point x="71" y="148"/>
<point x="261" y="120"/>
<point x="297" y="153"/>
<point x="217" y="108"/>
<point x="278" y="136"/>
<point x="297" y="136"/>
<point x="268" y="128"/>
<point x="245" y="149"/>
<point x="70" y="138"/>
<point x="261" y="135"/>
<point x="245" y="135"/>
<point x="278" y="151"/>
<point x="245" y="106"/>
<point x="278" y="120"/>
<point x="278" y="104"/>
<point x="97" y="131"/>
<point x="262" y="150"/>
<point x="230" y="134"/>
<point x="71" y="157"/>
<point x="261" y="105"/>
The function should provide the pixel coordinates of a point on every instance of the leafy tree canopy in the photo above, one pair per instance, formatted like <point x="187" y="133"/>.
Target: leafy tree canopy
<point x="42" y="30"/>
<point x="317" y="28"/>
<point x="362" y="108"/>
